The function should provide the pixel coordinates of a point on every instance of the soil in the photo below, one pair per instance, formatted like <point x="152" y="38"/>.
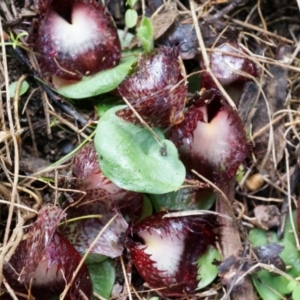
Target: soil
<point x="39" y="129"/>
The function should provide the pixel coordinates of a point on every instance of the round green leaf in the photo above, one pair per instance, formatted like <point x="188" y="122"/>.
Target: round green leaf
<point x="296" y="293"/>
<point x="99" y="83"/>
<point x="131" y="18"/>
<point x="145" y="34"/>
<point x="264" y="291"/>
<point x="291" y="258"/>
<point x="133" y="159"/>
<point x="125" y="37"/>
<point x="270" y="286"/>
<point x="288" y="230"/>
<point x="182" y="200"/>
<point x="207" y="271"/>
<point x="258" y="237"/>
<point x="23" y="88"/>
<point x="292" y="285"/>
<point x="103" y="276"/>
<point x="147" y="208"/>
<point x="290" y="253"/>
<point x="131" y="3"/>
<point x="105" y="104"/>
<point x="95" y="258"/>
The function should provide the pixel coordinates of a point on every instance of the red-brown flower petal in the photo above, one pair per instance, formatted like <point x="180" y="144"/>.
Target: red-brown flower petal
<point x="164" y="250"/>
<point x="211" y="139"/>
<point x="155" y="89"/>
<point x="45" y="262"/>
<point x="76" y="39"/>
<point x="229" y="66"/>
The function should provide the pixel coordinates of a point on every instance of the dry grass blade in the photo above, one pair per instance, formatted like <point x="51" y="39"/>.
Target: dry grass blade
<point x="14" y="193"/>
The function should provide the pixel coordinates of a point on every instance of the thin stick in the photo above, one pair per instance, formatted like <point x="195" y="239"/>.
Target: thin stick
<point x="227" y="202"/>
<point x="142" y="121"/>
<point x="289" y="197"/>
<point x="19" y="206"/>
<point x="14" y="193"/>
<point x="16" y="102"/>
<point x="225" y="10"/>
<point x="70" y="125"/>
<point x="126" y="278"/>
<point x="9" y="289"/>
<point x="258" y="29"/>
<point x="195" y="213"/>
<point x="35" y="195"/>
<point x="263" y="129"/>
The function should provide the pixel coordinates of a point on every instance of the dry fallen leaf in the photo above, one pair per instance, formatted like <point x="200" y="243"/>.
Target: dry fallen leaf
<point x="268" y="149"/>
<point x="267" y="215"/>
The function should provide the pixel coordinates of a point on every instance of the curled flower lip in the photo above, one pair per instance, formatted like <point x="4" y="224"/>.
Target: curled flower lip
<point x="76" y="39"/>
<point x="211" y="139"/>
<point x="164" y="250"/>
<point x="45" y="261"/>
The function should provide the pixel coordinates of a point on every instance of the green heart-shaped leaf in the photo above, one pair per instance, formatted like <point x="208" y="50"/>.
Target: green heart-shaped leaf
<point x="131" y="18"/>
<point x="99" y="83"/>
<point x="133" y="159"/>
<point x="145" y="34"/>
<point x="23" y="88"/>
<point x="296" y="293"/>
<point x="268" y="285"/>
<point x="207" y="271"/>
<point x="103" y="276"/>
<point x="183" y="200"/>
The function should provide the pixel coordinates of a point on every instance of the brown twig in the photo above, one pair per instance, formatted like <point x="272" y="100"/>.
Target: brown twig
<point x="231" y="245"/>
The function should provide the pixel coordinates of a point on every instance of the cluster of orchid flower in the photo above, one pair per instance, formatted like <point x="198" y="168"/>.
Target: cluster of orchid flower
<point x="76" y="39"/>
